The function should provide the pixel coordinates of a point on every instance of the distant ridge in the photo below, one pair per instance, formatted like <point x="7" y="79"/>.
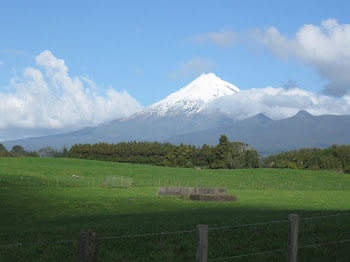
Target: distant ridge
<point x="273" y="136"/>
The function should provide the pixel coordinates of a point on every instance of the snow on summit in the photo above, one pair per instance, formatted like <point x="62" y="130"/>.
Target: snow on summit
<point x="191" y="98"/>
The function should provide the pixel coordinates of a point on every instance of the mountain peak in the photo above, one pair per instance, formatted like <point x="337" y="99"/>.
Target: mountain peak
<point x="191" y="98"/>
<point x="303" y="113"/>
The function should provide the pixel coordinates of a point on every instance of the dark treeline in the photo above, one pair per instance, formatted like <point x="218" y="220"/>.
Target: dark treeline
<point x="225" y="155"/>
<point x="16" y="151"/>
<point x="51" y="152"/>
<point x="336" y="157"/>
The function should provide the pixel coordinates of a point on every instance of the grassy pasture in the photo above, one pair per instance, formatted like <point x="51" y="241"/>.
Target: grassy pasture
<point x="49" y="213"/>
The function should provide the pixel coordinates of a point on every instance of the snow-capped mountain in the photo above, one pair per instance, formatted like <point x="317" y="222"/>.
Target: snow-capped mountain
<point x="186" y="117"/>
<point x="192" y="98"/>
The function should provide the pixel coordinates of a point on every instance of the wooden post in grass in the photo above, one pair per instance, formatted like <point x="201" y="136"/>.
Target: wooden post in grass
<point x="187" y="182"/>
<point x="130" y="181"/>
<point x="202" y="248"/>
<point x="87" y="246"/>
<point x="293" y="238"/>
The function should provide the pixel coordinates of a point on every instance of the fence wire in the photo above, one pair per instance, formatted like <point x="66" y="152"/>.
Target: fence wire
<point x="177" y="232"/>
<point x="279" y="250"/>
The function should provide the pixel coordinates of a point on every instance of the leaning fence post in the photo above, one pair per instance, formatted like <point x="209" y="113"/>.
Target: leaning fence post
<point x="87" y="246"/>
<point x="293" y="237"/>
<point x="202" y="249"/>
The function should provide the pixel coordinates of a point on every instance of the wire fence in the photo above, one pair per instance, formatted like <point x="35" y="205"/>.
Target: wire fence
<point x="125" y="181"/>
<point x="65" y="181"/>
<point x="215" y="229"/>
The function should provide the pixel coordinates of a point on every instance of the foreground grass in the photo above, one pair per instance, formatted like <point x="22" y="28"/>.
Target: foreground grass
<point x="35" y="214"/>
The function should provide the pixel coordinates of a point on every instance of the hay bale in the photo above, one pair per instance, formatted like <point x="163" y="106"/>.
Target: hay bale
<point x="199" y="197"/>
<point x="178" y="191"/>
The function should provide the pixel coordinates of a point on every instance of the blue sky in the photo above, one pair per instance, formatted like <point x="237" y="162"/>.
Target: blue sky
<point x="150" y="49"/>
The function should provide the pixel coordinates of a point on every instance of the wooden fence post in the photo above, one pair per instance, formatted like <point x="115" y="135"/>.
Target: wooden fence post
<point x="293" y="238"/>
<point x="202" y="249"/>
<point x="87" y="246"/>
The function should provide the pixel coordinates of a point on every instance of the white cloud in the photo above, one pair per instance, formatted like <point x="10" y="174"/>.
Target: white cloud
<point x="1" y="63"/>
<point x="48" y="98"/>
<point x="221" y="39"/>
<point x="325" y="47"/>
<point x="279" y="103"/>
<point x="195" y="66"/>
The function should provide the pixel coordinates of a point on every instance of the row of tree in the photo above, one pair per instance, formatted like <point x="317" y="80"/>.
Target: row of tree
<point x="225" y="155"/>
<point x="336" y="157"/>
<point x="18" y="151"/>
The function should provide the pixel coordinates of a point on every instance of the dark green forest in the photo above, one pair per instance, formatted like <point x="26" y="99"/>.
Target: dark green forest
<point x="16" y="151"/>
<point x="224" y="155"/>
<point x="336" y="157"/>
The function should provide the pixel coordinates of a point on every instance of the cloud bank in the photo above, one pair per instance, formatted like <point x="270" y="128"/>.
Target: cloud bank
<point x="279" y="103"/>
<point x="46" y="97"/>
<point x="325" y="47"/>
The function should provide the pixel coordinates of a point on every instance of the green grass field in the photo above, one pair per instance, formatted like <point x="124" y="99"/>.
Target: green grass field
<point x="49" y="213"/>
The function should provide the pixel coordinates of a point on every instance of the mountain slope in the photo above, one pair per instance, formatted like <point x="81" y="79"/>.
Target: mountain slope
<point x="269" y="136"/>
<point x="179" y="113"/>
<point x="190" y="99"/>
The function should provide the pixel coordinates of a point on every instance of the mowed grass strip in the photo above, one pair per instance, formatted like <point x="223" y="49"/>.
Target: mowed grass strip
<point x="34" y="214"/>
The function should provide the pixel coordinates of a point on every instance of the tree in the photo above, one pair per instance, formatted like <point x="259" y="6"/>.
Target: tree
<point x="18" y="150"/>
<point x="47" y="152"/>
<point x="2" y="148"/>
